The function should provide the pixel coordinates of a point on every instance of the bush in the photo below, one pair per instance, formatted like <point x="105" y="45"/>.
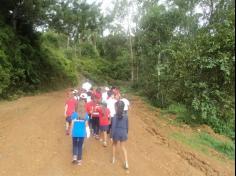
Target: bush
<point x="94" y="69"/>
<point x="27" y="66"/>
<point x="88" y="50"/>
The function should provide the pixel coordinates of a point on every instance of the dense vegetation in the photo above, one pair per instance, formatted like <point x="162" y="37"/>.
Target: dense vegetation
<point x="181" y="61"/>
<point x="178" y="54"/>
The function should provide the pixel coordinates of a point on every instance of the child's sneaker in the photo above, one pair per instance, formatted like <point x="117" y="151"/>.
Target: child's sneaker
<point x="97" y="137"/>
<point x="79" y="162"/>
<point x="113" y="160"/>
<point x="105" y="144"/>
<point x="74" y="161"/>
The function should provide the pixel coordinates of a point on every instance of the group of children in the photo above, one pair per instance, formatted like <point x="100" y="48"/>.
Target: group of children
<point x="103" y="112"/>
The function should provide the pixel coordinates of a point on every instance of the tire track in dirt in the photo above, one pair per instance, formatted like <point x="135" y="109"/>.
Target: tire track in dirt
<point x="198" y="163"/>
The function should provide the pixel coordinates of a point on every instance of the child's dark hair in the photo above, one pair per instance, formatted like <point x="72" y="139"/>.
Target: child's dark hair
<point x="119" y="109"/>
<point x="89" y="94"/>
<point x="109" y="93"/>
<point x="99" y="89"/>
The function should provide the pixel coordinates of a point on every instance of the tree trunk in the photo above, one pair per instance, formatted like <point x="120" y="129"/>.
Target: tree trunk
<point x="75" y="51"/>
<point x="137" y="70"/>
<point x="94" y="40"/>
<point x="14" y="18"/>
<point x="68" y="41"/>
<point x="211" y="11"/>
<point x="132" y="59"/>
<point x="131" y="53"/>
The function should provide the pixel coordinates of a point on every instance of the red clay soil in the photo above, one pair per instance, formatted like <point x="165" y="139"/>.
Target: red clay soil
<point x="33" y="143"/>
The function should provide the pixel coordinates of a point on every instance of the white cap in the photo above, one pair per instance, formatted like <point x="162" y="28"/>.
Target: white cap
<point x="106" y="88"/>
<point x="75" y="91"/>
<point x="86" y="86"/>
<point x="83" y="95"/>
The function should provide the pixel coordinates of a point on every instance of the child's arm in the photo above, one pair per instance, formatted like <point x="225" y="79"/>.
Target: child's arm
<point x="66" y="107"/>
<point x="86" y="123"/>
<point x="72" y="126"/>
<point x="109" y="116"/>
<point x="87" y="129"/>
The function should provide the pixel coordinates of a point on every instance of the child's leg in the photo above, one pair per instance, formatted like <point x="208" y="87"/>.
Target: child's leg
<point x="90" y="122"/>
<point x="68" y="124"/>
<point x="80" y="148"/>
<point x="96" y="126"/>
<point x="101" y="134"/>
<point x="93" y="125"/>
<point x="125" y="153"/>
<point x="104" y="138"/>
<point x="67" y="128"/>
<point x="75" y="147"/>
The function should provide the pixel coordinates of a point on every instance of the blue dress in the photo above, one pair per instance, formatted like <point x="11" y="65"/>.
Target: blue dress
<point x="119" y="129"/>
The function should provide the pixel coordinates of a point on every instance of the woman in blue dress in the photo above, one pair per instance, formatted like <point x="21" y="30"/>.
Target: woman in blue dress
<point x="119" y="131"/>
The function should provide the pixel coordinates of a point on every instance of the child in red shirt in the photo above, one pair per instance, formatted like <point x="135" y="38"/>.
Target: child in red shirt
<point x="70" y="107"/>
<point x="104" y="122"/>
<point x="95" y="118"/>
<point x="98" y="94"/>
<point x="88" y="109"/>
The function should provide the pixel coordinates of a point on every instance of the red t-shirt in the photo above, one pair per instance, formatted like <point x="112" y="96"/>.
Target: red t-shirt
<point x="88" y="107"/>
<point x="104" y="118"/>
<point x="71" y="104"/>
<point x="95" y="111"/>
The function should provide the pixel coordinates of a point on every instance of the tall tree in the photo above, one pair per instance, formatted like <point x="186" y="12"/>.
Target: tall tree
<point x="23" y="15"/>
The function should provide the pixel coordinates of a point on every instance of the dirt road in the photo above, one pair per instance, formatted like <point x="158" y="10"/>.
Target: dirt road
<point x="33" y="143"/>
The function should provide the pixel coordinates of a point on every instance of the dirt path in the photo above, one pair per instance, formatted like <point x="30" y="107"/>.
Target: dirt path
<point x="32" y="143"/>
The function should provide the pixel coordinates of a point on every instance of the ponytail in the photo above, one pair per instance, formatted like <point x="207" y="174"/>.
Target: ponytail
<point x="119" y="108"/>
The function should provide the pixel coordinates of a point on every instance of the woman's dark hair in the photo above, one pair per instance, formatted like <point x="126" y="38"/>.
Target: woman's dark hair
<point x="120" y="108"/>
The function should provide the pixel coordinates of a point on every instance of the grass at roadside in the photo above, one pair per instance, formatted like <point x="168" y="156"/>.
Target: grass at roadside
<point x="200" y="141"/>
<point x="204" y="142"/>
